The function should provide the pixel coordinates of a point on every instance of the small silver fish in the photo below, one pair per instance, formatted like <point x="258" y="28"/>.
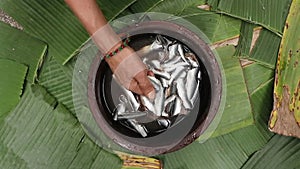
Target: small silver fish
<point x="172" y="51"/>
<point x="159" y="98"/>
<point x="191" y="82"/>
<point x="132" y="115"/>
<point x="164" y="41"/>
<point x="196" y="94"/>
<point x="172" y="62"/>
<point x="139" y="128"/>
<point x="164" y="114"/>
<point x="180" y="84"/>
<point x="148" y="104"/>
<point x="150" y="117"/>
<point x="199" y="76"/>
<point x="181" y="53"/>
<point x="155" y="82"/>
<point x="123" y="99"/>
<point x="180" y="71"/>
<point x="168" y="106"/>
<point x="171" y="67"/>
<point x="169" y="100"/>
<point x="164" y="82"/>
<point x="164" y="122"/>
<point x="177" y="107"/>
<point x="134" y="103"/>
<point x="193" y="63"/>
<point x="120" y="109"/>
<point x="156" y="45"/>
<point x="155" y="64"/>
<point x="162" y="74"/>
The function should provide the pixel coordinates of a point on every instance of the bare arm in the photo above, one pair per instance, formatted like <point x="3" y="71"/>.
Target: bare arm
<point x="91" y="17"/>
<point x="89" y="14"/>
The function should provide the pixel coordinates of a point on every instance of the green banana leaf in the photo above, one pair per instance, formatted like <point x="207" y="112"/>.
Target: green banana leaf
<point x="267" y="55"/>
<point x="285" y="117"/>
<point x="233" y="149"/>
<point x="234" y="117"/>
<point x="57" y="79"/>
<point x="167" y="6"/>
<point x="269" y="14"/>
<point x="260" y="80"/>
<point x="257" y="76"/>
<point x="215" y="26"/>
<point x="54" y="23"/>
<point x="41" y="133"/>
<point x="12" y="77"/>
<point x="213" y="4"/>
<point x="22" y="48"/>
<point x="279" y="152"/>
<point x="65" y="145"/>
<point x="245" y="39"/>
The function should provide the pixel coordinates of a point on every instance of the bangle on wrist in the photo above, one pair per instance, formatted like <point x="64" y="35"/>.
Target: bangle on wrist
<point x="117" y="50"/>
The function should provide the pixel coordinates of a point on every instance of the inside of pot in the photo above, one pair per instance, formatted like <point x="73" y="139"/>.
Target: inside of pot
<point x="108" y="93"/>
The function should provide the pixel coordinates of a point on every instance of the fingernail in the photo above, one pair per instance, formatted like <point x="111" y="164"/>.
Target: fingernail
<point x="151" y="95"/>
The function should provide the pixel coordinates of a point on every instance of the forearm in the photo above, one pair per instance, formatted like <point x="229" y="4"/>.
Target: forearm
<point x="132" y="77"/>
<point x="91" y="17"/>
<point x="89" y="14"/>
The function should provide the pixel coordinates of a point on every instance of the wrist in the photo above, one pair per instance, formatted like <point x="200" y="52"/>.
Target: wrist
<point x="117" y="49"/>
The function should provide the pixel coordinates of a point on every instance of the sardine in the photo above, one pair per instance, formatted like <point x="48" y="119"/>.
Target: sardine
<point x="155" y="64"/>
<point x="181" y="53"/>
<point x="168" y="106"/>
<point x="155" y="82"/>
<point x="120" y="109"/>
<point x="134" y="103"/>
<point x="199" y="76"/>
<point x="164" y="82"/>
<point x="148" y="104"/>
<point x="139" y="128"/>
<point x="159" y="98"/>
<point x="123" y="99"/>
<point x="132" y="115"/>
<point x="150" y="117"/>
<point x="177" y="107"/>
<point x="172" y="51"/>
<point x="193" y="63"/>
<point x="164" y="114"/>
<point x="172" y="62"/>
<point x="163" y="74"/>
<point x="180" y="71"/>
<point x="196" y="94"/>
<point x="144" y="51"/>
<point x="171" y="67"/>
<point x="156" y="45"/>
<point x="180" y="84"/>
<point x="164" y="122"/>
<point x="164" y="41"/>
<point x="191" y="82"/>
<point x="169" y="100"/>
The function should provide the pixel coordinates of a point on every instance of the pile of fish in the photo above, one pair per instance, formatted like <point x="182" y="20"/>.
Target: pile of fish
<point x="176" y="81"/>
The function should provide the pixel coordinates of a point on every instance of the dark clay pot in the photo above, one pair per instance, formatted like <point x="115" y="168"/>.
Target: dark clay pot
<point x="102" y="91"/>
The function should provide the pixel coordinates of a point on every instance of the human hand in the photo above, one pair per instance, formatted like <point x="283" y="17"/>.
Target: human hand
<point x="131" y="72"/>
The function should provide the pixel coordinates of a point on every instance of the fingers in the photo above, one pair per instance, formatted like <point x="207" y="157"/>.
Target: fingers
<point x="145" y="85"/>
<point x="141" y="85"/>
<point x="134" y="87"/>
<point x="131" y="73"/>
